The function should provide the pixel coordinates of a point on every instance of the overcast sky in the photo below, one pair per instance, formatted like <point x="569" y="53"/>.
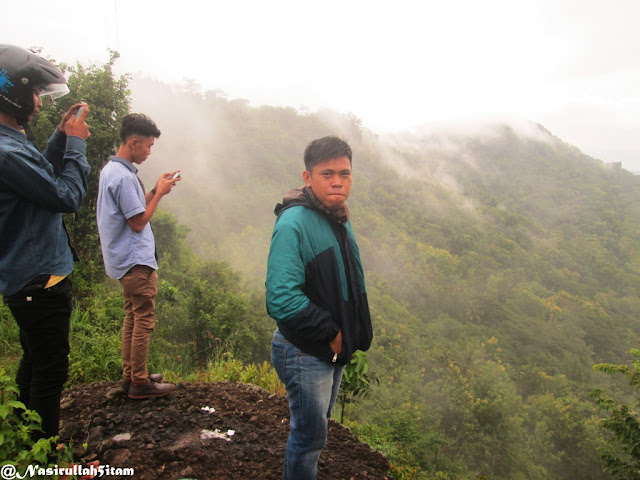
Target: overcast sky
<point x="571" y="65"/>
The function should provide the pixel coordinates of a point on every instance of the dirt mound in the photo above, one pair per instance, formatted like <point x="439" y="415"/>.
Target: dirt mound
<point x="201" y="431"/>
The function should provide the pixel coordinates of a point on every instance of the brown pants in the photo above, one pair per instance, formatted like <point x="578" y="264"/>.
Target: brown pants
<point x="139" y="289"/>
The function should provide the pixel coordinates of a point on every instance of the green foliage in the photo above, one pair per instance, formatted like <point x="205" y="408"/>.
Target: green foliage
<point x="95" y="338"/>
<point x="224" y="367"/>
<point x="217" y="311"/>
<point x="356" y="381"/>
<point x="17" y="424"/>
<point x="380" y="439"/>
<point x="212" y="307"/>
<point x="621" y="457"/>
<point x="108" y="100"/>
<point x="9" y="334"/>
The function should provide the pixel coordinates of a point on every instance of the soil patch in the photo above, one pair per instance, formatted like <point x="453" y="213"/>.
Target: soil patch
<point x="201" y="431"/>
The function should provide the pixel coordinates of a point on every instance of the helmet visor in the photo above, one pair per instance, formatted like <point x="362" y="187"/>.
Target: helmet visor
<point x="54" y="90"/>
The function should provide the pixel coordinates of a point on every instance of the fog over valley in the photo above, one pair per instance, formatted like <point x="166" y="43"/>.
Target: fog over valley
<point x="569" y="65"/>
<point x="233" y="155"/>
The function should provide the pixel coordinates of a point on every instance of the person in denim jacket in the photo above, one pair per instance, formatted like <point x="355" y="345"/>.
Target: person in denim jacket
<point x="36" y="256"/>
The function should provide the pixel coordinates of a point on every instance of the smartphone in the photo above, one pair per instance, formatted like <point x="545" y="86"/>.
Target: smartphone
<point x="177" y="175"/>
<point x="79" y="112"/>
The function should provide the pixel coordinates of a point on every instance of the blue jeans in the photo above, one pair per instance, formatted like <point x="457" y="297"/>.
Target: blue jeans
<point x="312" y="388"/>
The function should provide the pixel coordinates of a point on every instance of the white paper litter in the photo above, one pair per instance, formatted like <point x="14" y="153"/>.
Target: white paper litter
<point x="122" y="437"/>
<point x="208" y="434"/>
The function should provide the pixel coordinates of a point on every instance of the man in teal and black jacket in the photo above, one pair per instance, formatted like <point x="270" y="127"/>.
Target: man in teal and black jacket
<point x="316" y="294"/>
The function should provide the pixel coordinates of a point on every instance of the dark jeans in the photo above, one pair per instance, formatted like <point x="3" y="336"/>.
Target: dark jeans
<point x="43" y="318"/>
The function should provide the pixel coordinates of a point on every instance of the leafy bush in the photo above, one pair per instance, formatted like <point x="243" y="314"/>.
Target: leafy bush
<point x="95" y="339"/>
<point x="224" y="367"/>
<point x="356" y="381"/>
<point x="17" y="424"/>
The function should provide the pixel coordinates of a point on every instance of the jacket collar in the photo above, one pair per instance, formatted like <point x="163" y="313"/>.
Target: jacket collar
<point x="304" y="196"/>
<point x="12" y="132"/>
<point x="126" y="163"/>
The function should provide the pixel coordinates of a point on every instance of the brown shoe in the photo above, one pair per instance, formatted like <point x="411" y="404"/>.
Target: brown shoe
<point x="150" y="390"/>
<point x="154" y="377"/>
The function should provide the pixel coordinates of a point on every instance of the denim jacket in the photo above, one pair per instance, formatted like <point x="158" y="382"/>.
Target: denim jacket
<point x="35" y="189"/>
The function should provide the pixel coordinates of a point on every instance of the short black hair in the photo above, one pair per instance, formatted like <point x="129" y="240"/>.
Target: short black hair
<point x="137" y="124"/>
<point x="325" y="148"/>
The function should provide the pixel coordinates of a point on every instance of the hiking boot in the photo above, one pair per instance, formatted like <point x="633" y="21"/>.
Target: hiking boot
<point x="150" y="390"/>
<point x="154" y="377"/>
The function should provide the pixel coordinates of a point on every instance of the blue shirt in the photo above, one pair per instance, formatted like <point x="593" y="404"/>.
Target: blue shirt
<point x="35" y="189"/>
<point x="120" y="197"/>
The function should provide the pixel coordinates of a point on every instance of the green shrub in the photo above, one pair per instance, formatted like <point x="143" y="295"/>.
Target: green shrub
<point x="17" y="424"/>
<point x="96" y="344"/>
<point x="9" y="337"/>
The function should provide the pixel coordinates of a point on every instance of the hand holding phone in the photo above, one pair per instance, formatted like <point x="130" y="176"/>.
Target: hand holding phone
<point x="73" y="121"/>
<point x="177" y="175"/>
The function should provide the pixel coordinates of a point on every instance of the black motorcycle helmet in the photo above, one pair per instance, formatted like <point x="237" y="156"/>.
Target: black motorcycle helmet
<point x="22" y="71"/>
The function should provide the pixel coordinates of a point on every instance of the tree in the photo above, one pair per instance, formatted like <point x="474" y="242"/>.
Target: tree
<point x="622" y="457"/>
<point x="17" y="424"/>
<point x="108" y="99"/>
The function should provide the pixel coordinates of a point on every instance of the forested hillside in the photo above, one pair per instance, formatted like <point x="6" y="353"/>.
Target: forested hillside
<point x="502" y="264"/>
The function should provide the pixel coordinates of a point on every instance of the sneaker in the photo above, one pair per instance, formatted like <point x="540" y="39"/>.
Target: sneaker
<point x="150" y="390"/>
<point x="154" y="377"/>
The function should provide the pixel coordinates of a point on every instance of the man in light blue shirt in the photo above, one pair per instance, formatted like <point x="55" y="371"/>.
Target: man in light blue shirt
<point x="120" y="198"/>
<point x="128" y="247"/>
